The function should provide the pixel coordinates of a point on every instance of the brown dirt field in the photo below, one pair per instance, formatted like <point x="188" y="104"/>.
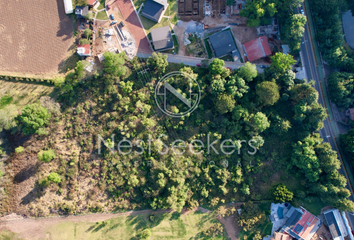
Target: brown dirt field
<point x="36" y="36"/>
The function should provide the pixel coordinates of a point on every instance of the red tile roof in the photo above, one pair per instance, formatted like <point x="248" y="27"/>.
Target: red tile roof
<point x="91" y="2"/>
<point x="86" y="47"/>
<point x="257" y="48"/>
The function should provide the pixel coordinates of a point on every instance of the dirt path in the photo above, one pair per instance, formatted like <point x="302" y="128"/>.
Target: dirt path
<point x="231" y="226"/>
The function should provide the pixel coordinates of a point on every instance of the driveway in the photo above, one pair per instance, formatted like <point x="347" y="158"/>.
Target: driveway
<point x="129" y="15"/>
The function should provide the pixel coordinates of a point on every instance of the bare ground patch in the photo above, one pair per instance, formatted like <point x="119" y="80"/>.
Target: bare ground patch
<point x="36" y="36"/>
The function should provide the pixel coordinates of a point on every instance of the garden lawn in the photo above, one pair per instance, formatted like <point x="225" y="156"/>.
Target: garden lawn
<point x="148" y="24"/>
<point x="102" y="15"/>
<point x="165" y="226"/>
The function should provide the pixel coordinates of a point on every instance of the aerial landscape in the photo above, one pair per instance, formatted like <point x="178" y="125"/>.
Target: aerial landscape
<point x="177" y="119"/>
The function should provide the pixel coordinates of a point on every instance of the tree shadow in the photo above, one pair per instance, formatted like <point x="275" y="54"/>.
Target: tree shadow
<point x="31" y="196"/>
<point x="65" y="24"/>
<point x="25" y="174"/>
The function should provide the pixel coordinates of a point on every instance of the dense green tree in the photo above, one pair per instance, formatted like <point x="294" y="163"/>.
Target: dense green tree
<point x="267" y="92"/>
<point x="84" y="41"/>
<point x="281" y="194"/>
<point x="258" y="11"/>
<point x="281" y="62"/>
<point x="260" y="121"/>
<point x="341" y="87"/>
<point x="294" y="31"/>
<point x="216" y="67"/>
<point x="88" y="33"/>
<point x="225" y="103"/>
<point x="114" y="64"/>
<point x="248" y="71"/>
<point x="158" y="62"/>
<point x="32" y="117"/>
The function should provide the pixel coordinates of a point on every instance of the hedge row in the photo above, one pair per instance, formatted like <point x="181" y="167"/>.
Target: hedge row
<point x="27" y="79"/>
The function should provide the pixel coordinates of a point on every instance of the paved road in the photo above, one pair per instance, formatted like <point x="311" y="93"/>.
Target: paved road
<point x="193" y="61"/>
<point x="308" y="60"/>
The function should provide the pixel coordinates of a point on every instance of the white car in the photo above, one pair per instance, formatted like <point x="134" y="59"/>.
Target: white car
<point x="302" y="11"/>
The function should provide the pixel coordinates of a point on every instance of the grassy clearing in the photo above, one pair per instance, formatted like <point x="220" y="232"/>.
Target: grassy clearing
<point x="164" y="226"/>
<point x="20" y="94"/>
<point x="6" y="235"/>
<point x="148" y="24"/>
<point x="102" y="15"/>
<point x="314" y="207"/>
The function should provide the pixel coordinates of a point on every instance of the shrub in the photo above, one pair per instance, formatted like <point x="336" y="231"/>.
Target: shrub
<point x="46" y="156"/>
<point x="145" y="234"/>
<point x="19" y="149"/>
<point x="54" y="177"/>
<point x="84" y="41"/>
<point x="281" y="193"/>
<point x="33" y="117"/>
<point x="87" y="33"/>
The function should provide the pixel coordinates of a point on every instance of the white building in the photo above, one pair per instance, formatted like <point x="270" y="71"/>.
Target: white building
<point x="335" y="224"/>
<point x="68" y="4"/>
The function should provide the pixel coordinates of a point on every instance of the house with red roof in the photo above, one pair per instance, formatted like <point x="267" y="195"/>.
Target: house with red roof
<point x="91" y="3"/>
<point x="257" y="48"/>
<point x="84" y="50"/>
<point x="301" y="224"/>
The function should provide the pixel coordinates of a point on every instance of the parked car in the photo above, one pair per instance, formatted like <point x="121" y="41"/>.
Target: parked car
<point x="263" y="66"/>
<point x="108" y="6"/>
<point x="302" y="11"/>
<point x="199" y="65"/>
<point x="229" y="68"/>
<point x="114" y="22"/>
<point x="112" y="17"/>
<point x="121" y="24"/>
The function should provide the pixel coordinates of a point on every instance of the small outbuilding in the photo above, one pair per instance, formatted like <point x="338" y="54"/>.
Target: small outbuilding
<point x="154" y="9"/>
<point x="68" y="5"/>
<point x="257" y="48"/>
<point x="84" y="50"/>
<point x="162" y="38"/>
<point x="81" y="11"/>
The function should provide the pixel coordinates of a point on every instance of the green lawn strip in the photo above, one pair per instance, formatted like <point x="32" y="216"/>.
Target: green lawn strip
<point x="102" y="15"/>
<point x="314" y="207"/>
<point x="148" y="24"/>
<point x="165" y="226"/>
<point x="207" y="47"/>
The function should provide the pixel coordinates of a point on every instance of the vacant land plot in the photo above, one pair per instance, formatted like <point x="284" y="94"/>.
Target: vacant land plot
<point x="35" y="36"/>
<point x="22" y="94"/>
<point x="121" y="226"/>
